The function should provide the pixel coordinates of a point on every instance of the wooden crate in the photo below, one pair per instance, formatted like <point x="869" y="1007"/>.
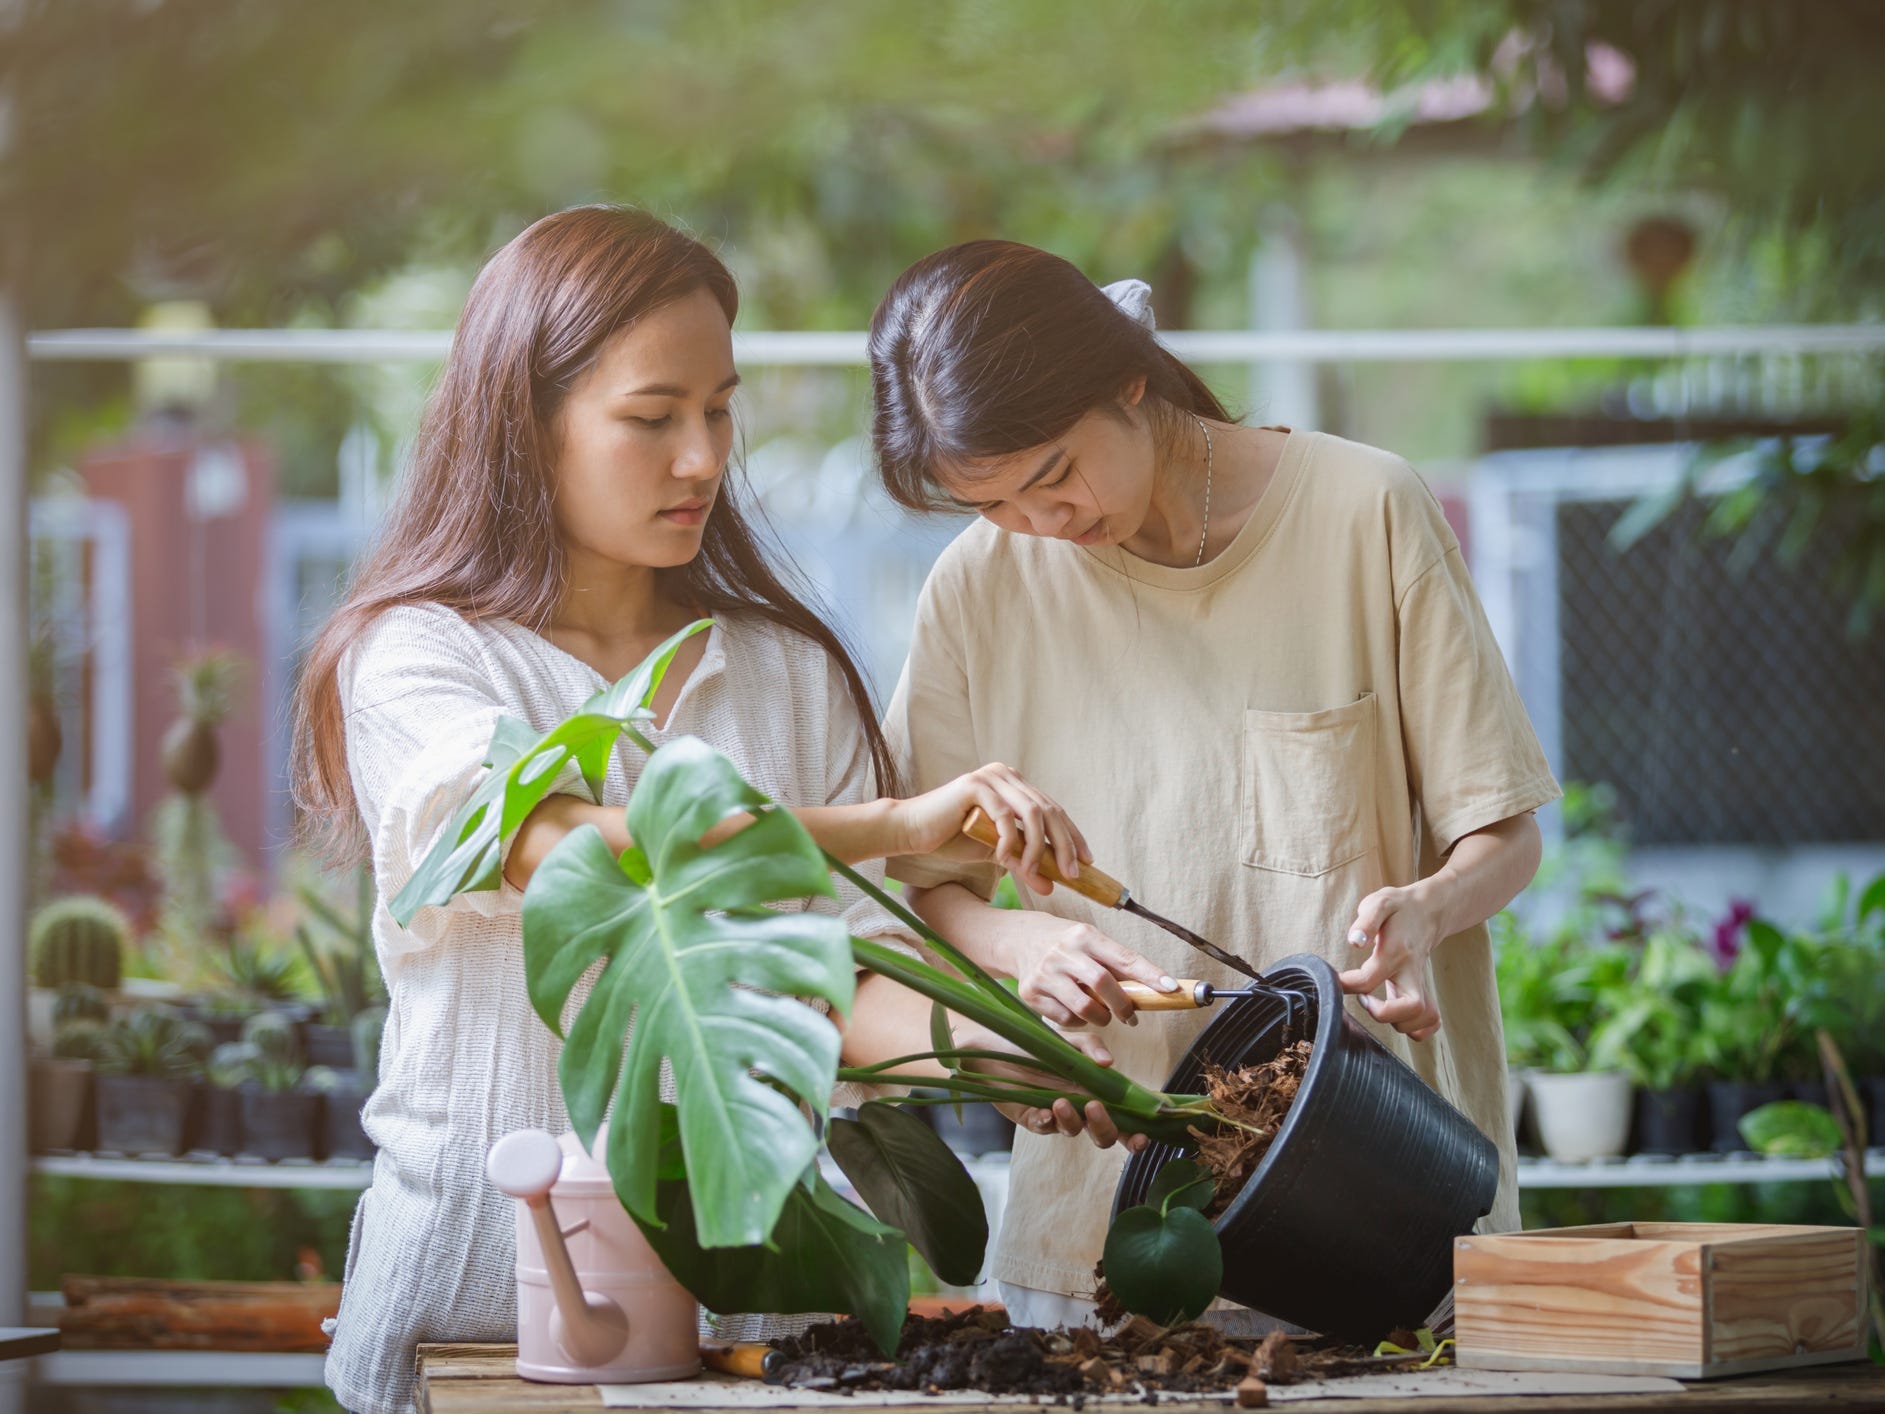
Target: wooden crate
<point x="1688" y="1300"/>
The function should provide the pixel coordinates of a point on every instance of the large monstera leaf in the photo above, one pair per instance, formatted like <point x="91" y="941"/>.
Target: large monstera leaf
<point x="524" y="769"/>
<point x="700" y="973"/>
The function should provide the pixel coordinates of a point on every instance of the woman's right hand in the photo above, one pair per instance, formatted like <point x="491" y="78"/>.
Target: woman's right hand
<point x="1070" y="972"/>
<point x="1062" y="1118"/>
<point x="1030" y="826"/>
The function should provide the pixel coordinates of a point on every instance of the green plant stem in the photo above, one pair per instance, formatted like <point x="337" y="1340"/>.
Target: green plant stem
<point x="1042" y="1043"/>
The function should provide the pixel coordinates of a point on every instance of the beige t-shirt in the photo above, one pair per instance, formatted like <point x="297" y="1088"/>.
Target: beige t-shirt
<point x="1253" y="745"/>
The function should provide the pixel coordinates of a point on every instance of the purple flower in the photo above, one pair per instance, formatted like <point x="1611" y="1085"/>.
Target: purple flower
<point x="1731" y="931"/>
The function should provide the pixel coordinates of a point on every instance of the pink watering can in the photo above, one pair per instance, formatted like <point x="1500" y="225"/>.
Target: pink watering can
<point x="594" y="1303"/>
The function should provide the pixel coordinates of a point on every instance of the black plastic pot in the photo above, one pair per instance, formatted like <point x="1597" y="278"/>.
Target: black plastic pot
<point x="330" y="1046"/>
<point x="982" y="1129"/>
<point x="144" y="1114"/>
<point x="1347" y="1225"/>
<point x="1669" y="1121"/>
<point x="1810" y="1092"/>
<point x="221" y="1129"/>
<point x="279" y="1124"/>
<point x="343" y="1136"/>
<point x="1728" y="1100"/>
<point x="59" y="1104"/>
<point x="223" y="1026"/>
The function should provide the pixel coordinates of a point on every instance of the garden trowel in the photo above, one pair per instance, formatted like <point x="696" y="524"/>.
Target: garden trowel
<point x="1107" y="891"/>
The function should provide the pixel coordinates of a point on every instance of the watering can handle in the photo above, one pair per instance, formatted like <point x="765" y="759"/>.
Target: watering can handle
<point x="1094" y="882"/>
<point x="526" y="1164"/>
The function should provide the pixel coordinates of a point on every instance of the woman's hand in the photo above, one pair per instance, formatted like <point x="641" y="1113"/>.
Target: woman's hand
<point x="1402" y="926"/>
<point x="1028" y="822"/>
<point x="1062" y="1117"/>
<point x="1070" y="972"/>
<point x="1482" y="874"/>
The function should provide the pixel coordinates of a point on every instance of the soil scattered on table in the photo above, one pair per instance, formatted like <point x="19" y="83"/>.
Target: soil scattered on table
<point x="1257" y="1096"/>
<point x="978" y="1349"/>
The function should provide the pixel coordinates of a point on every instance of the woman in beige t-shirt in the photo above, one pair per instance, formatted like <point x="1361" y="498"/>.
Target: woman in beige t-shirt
<point x="1249" y="661"/>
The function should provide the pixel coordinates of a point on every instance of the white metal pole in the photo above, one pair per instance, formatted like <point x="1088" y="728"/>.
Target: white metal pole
<point x="13" y="783"/>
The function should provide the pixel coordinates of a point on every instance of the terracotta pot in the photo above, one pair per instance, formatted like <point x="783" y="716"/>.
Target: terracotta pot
<point x="59" y="1104"/>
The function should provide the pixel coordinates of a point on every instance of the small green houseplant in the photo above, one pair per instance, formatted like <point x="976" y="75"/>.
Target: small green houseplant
<point x="342" y="962"/>
<point x="280" y="1114"/>
<point x="724" y="1182"/>
<point x="60" y="1094"/>
<point x="148" y="1065"/>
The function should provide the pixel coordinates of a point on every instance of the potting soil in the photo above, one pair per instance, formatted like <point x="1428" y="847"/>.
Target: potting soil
<point x="978" y="1349"/>
<point x="1258" y="1099"/>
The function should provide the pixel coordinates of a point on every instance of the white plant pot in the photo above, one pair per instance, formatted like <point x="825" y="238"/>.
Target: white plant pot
<point x="1583" y="1116"/>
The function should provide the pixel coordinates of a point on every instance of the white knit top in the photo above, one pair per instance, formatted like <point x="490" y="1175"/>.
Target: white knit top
<point x="465" y="1059"/>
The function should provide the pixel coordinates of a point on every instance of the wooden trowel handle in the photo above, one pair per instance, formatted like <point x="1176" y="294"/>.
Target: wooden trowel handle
<point x="1188" y="997"/>
<point x="1093" y="883"/>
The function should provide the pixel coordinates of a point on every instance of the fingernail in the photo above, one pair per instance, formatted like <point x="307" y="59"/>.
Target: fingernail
<point x="1357" y="936"/>
<point x="1166" y="984"/>
<point x="1103" y="1057"/>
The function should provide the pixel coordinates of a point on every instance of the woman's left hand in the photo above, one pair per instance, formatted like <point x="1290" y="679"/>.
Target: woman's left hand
<point x="1402" y="927"/>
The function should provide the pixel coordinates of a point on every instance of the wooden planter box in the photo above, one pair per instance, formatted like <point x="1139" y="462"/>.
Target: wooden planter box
<point x="1688" y="1300"/>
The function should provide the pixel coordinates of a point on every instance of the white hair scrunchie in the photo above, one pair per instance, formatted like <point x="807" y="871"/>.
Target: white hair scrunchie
<point x="1133" y="299"/>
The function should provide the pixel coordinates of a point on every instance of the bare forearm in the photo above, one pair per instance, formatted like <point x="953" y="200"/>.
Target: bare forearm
<point x="1486" y="870"/>
<point x="965" y="919"/>
<point x="888" y="1020"/>
<point x="849" y="832"/>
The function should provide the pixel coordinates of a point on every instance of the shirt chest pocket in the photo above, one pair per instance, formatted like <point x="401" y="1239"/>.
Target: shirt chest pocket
<point x="1308" y="787"/>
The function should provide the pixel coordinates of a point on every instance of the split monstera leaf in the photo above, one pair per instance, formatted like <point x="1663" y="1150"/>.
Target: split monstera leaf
<point x="701" y="956"/>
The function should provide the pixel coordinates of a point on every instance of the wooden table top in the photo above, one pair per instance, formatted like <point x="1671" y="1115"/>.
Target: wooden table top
<point x="23" y="1342"/>
<point x="482" y="1379"/>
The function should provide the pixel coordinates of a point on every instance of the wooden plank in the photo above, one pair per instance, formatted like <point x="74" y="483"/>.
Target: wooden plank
<point x="22" y="1342"/>
<point x="1517" y="1299"/>
<point x="135" y="1313"/>
<point x="482" y="1379"/>
<point x="1844" y="1389"/>
<point x="1797" y="1295"/>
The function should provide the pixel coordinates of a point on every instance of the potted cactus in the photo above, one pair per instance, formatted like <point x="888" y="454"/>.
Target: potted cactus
<point x="345" y="1090"/>
<point x="280" y="1114"/>
<point x="60" y="1098"/>
<point x="148" y="1065"/>
<point x="75" y="941"/>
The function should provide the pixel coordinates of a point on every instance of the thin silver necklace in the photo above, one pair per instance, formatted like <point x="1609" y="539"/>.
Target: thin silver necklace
<point x="1209" y="456"/>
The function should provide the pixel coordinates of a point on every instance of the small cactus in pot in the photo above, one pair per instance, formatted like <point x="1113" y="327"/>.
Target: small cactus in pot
<point x="148" y="1066"/>
<point x="80" y="939"/>
<point x="59" y="1100"/>
<point x="280" y="1114"/>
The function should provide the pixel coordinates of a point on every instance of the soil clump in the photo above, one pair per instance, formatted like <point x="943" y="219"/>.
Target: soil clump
<point x="978" y="1349"/>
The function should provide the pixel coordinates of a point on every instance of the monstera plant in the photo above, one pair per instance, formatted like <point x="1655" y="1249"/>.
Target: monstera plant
<point x="701" y="969"/>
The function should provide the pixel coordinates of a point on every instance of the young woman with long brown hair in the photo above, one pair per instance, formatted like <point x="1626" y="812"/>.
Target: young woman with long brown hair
<point x="1251" y="662"/>
<point x="568" y="509"/>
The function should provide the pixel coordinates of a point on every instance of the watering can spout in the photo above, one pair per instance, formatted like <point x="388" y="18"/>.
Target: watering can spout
<point x="588" y="1327"/>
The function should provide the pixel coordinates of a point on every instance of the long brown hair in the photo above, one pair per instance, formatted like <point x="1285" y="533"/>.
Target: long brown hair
<point x="992" y="347"/>
<point x="472" y="528"/>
